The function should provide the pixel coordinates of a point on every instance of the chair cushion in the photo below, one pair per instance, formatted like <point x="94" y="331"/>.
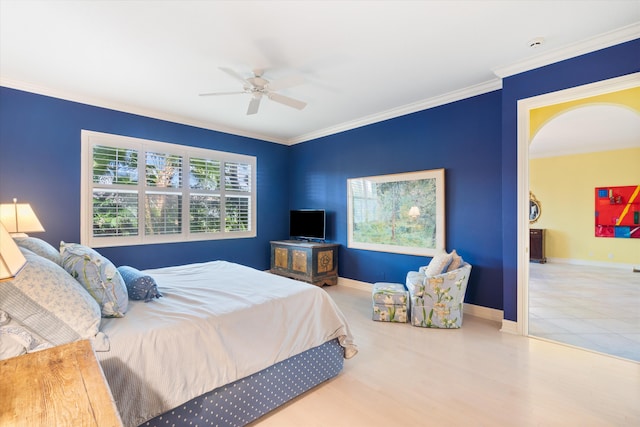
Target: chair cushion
<point x="415" y="283"/>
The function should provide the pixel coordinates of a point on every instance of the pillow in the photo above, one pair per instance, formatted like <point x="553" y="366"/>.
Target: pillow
<point x="456" y="261"/>
<point x="49" y="302"/>
<point x="97" y="275"/>
<point x="16" y="340"/>
<point x="139" y="285"/>
<point x="438" y="264"/>
<point x="39" y="247"/>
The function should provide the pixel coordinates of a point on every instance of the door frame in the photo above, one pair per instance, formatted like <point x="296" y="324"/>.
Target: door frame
<point x="524" y="108"/>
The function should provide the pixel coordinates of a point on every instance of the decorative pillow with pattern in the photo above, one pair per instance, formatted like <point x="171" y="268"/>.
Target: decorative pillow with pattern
<point x="139" y="285"/>
<point x="16" y="340"/>
<point x="48" y="301"/>
<point x="39" y="247"/>
<point x="97" y="275"/>
<point x="438" y="264"/>
<point x="456" y="261"/>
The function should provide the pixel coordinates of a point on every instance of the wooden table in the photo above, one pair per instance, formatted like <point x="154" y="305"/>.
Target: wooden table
<point x="60" y="386"/>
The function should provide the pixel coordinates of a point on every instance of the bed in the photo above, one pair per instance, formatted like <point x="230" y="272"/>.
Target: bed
<point x="224" y="344"/>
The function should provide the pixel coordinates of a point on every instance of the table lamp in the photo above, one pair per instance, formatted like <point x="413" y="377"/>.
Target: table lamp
<point x="19" y="218"/>
<point x="11" y="259"/>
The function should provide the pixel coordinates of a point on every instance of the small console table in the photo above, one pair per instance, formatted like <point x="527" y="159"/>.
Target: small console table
<point x="315" y="263"/>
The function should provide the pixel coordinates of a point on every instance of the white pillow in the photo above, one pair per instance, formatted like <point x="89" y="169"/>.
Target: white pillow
<point x="438" y="264"/>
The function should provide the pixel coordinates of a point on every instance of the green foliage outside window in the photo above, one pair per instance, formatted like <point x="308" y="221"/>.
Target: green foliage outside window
<point x="115" y="209"/>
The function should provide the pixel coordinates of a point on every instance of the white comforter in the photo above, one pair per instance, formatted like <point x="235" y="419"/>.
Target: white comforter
<point x="217" y="322"/>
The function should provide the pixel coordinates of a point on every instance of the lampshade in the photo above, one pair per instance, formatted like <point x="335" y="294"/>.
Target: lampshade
<point x="414" y="212"/>
<point x="19" y="218"/>
<point x="11" y="259"/>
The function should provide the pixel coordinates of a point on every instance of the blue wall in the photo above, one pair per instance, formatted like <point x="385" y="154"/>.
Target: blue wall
<point x="473" y="139"/>
<point x="40" y="164"/>
<point x="608" y="63"/>
<point x="464" y="138"/>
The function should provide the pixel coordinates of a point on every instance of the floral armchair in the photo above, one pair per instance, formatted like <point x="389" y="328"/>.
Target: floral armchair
<point x="437" y="301"/>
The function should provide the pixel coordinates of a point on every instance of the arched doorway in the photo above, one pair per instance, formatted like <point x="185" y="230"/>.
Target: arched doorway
<point x="537" y="116"/>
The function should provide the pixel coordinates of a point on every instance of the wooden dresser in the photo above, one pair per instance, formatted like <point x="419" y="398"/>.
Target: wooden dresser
<point x="60" y="386"/>
<point x="315" y="263"/>
<point x="536" y="245"/>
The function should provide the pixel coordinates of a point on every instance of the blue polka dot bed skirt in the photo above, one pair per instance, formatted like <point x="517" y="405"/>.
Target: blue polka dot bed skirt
<point x="243" y="401"/>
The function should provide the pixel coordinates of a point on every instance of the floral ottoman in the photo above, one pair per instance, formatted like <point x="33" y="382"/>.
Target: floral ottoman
<point x="390" y="302"/>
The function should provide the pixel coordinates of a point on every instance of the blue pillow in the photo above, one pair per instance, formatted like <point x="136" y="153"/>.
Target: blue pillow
<point x="139" y="286"/>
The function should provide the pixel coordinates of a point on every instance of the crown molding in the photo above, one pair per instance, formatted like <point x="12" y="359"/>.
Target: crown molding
<point x="602" y="41"/>
<point x="125" y="108"/>
<point x="491" y="85"/>
<point x="479" y="89"/>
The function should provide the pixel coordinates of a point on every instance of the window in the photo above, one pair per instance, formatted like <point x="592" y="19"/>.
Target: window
<point x="137" y="191"/>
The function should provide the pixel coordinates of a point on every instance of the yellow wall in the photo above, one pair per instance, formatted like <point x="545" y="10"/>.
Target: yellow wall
<point x="565" y="187"/>
<point x="629" y="98"/>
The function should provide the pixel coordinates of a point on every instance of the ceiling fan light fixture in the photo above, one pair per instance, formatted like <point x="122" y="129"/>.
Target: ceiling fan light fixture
<point x="257" y="86"/>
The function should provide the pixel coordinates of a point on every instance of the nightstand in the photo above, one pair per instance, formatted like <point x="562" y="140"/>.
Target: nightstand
<point x="60" y="386"/>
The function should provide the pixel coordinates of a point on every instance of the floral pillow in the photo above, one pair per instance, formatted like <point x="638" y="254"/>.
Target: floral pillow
<point x="39" y="247"/>
<point x="16" y="340"/>
<point x="50" y="303"/>
<point x="139" y="285"/>
<point x="97" y="275"/>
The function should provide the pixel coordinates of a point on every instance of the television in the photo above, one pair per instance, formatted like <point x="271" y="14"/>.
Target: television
<point x="307" y="224"/>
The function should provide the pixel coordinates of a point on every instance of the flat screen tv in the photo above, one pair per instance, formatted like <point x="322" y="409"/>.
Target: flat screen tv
<point x="307" y="224"/>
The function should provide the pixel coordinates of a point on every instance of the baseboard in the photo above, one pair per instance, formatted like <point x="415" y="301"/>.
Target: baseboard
<point x="356" y="284"/>
<point x="599" y="264"/>
<point x="470" y="309"/>
<point x="483" y="312"/>
<point x="509" y="327"/>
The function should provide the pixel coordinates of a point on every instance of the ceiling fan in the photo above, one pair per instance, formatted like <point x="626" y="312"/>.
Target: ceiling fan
<point x="257" y="86"/>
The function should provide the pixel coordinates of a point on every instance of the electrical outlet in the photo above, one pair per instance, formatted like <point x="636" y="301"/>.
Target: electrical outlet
<point x="610" y="256"/>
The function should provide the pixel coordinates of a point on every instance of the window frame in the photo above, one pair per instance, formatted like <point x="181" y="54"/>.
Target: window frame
<point x="90" y="139"/>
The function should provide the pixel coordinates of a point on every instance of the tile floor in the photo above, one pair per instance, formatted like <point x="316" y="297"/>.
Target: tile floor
<point x="590" y="307"/>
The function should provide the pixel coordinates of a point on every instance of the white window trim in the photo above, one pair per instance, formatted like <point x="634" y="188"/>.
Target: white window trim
<point x="90" y="138"/>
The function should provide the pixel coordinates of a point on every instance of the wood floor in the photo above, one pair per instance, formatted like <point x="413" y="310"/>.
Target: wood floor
<point x="473" y="376"/>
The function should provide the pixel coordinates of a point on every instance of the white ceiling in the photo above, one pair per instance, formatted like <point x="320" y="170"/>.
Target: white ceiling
<point x="588" y="129"/>
<point x="362" y="61"/>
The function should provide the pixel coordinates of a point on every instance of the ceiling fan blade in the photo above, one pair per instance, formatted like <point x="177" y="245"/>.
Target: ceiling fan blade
<point x="254" y="104"/>
<point x="235" y="75"/>
<point x="222" y="93"/>
<point x="286" y="83"/>
<point x="286" y="100"/>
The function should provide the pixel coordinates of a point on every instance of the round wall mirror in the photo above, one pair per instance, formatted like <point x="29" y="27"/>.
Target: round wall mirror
<point x="535" y="209"/>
